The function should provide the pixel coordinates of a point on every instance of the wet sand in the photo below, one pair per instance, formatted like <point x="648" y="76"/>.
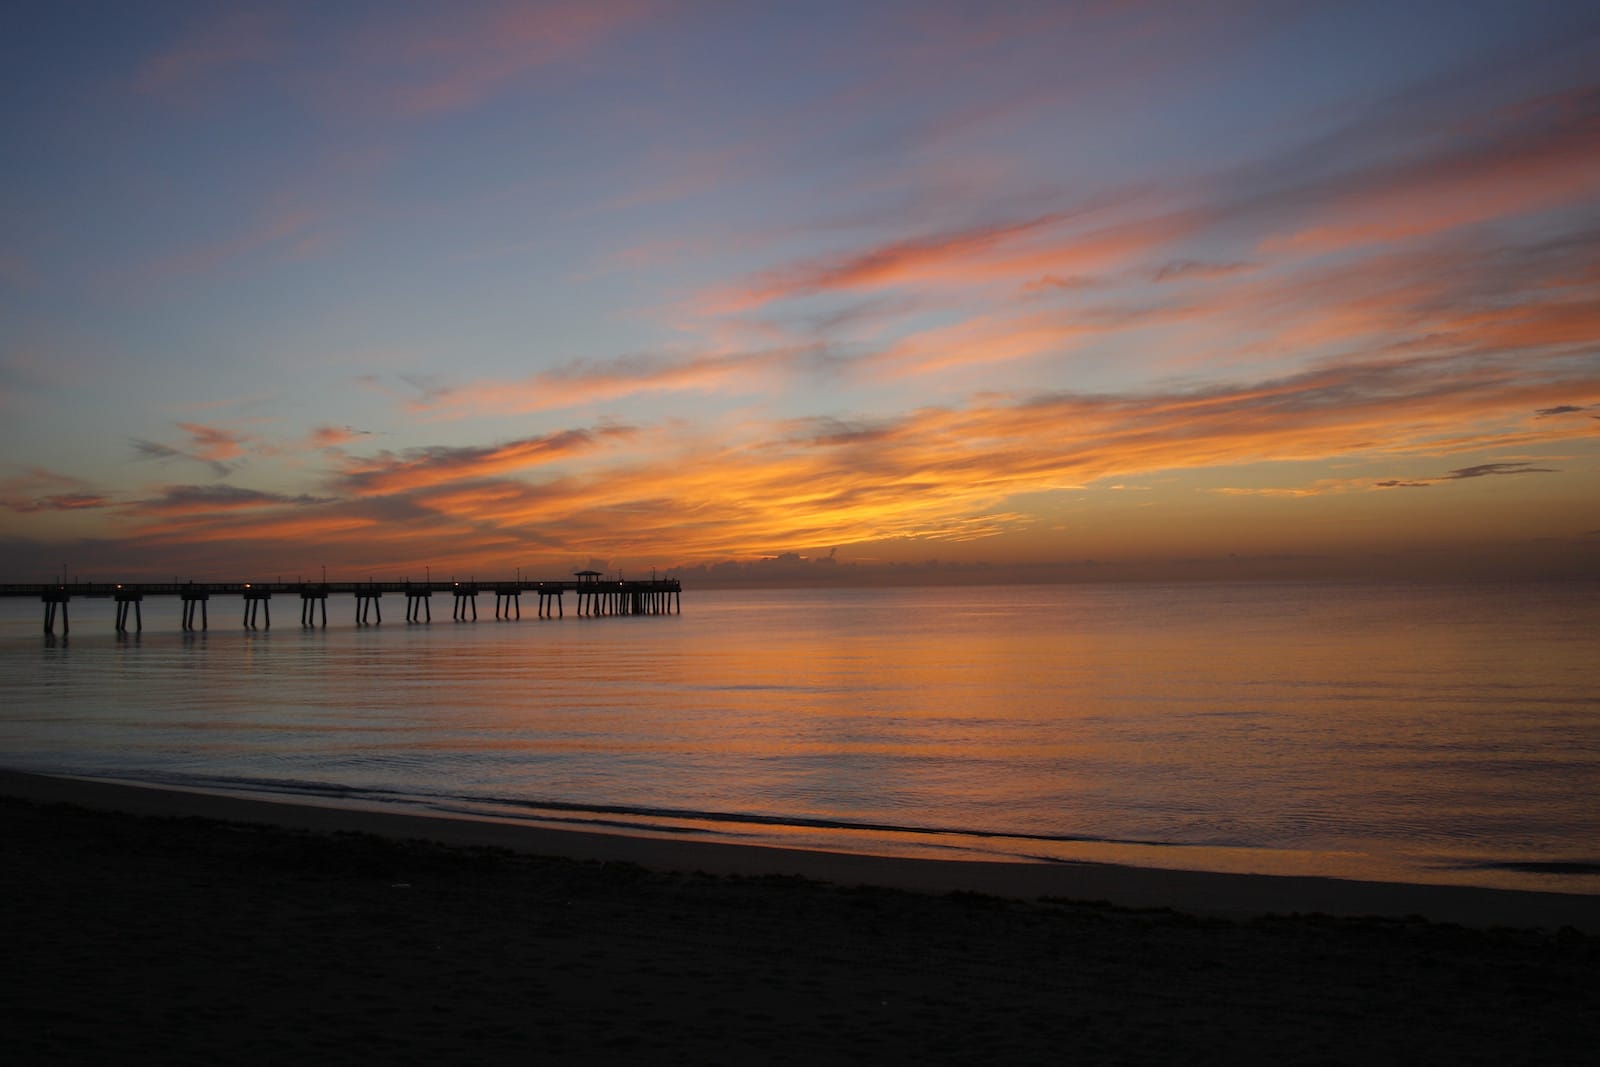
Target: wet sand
<point x="145" y="926"/>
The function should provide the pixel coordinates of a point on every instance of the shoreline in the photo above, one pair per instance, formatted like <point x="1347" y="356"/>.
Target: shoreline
<point x="1233" y="896"/>
<point x="154" y="927"/>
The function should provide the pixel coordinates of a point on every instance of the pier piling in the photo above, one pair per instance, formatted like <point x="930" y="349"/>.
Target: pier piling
<point x="190" y="600"/>
<point x="309" y="602"/>
<point x="53" y="599"/>
<point x="595" y="598"/>
<point x="367" y="605"/>
<point x="124" y="601"/>
<point x="507" y="598"/>
<point x="257" y="606"/>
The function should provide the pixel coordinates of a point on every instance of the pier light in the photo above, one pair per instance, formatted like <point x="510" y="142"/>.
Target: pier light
<point x="247" y="585"/>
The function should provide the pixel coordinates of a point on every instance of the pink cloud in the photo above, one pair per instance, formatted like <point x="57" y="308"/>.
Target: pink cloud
<point x="454" y="59"/>
<point x="1010" y="253"/>
<point x="1530" y="158"/>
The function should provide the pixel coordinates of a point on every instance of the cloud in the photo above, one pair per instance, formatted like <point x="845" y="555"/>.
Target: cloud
<point x="210" y="445"/>
<point x="154" y="449"/>
<point x="416" y="468"/>
<point x="332" y="437"/>
<point x="1011" y="252"/>
<point x="1187" y="269"/>
<point x="444" y="62"/>
<point x="39" y="489"/>
<point x="939" y="474"/>
<point x="1531" y="156"/>
<point x="1343" y="485"/>
<point x="291" y="228"/>
<point x="1560" y="409"/>
<point x="587" y="382"/>
<point x="211" y="499"/>
<point x="1049" y="282"/>
<point x="227" y="42"/>
<point x="1484" y="470"/>
<point x="55" y="502"/>
<point x="1045" y="286"/>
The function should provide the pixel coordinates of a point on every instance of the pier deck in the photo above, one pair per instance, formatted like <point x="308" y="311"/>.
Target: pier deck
<point x="656" y="596"/>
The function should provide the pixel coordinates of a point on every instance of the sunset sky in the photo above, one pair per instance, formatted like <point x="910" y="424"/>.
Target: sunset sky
<point x="798" y="290"/>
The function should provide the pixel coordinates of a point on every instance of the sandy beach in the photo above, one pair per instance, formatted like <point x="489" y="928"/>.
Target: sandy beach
<point x="146" y="926"/>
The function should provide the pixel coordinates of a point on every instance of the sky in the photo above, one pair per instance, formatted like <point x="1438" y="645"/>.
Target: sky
<point x="791" y="292"/>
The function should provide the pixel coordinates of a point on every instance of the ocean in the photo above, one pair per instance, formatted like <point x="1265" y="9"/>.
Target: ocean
<point x="1419" y="733"/>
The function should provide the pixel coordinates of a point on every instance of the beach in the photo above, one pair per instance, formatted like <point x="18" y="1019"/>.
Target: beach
<point x="149" y="926"/>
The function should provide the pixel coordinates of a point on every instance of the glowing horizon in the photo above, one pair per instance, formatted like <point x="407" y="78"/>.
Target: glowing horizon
<point x="1062" y="291"/>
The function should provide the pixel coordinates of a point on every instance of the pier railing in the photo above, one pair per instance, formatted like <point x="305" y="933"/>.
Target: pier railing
<point x="656" y="596"/>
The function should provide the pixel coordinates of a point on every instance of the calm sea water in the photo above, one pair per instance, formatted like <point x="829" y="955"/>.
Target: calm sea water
<point x="1430" y="733"/>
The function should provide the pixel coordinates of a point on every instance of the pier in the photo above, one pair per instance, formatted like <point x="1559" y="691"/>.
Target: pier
<point x="593" y="596"/>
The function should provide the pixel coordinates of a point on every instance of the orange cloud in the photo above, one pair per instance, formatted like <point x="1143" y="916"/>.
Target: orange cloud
<point x="212" y="443"/>
<point x="332" y="437"/>
<point x="940" y="474"/>
<point x="580" y="383"/>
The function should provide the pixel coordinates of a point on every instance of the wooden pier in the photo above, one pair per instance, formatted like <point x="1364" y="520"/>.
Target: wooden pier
<point x="593" y="596"/>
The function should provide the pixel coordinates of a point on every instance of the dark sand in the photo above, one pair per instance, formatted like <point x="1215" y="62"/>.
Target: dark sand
<point x="145" y="926"/>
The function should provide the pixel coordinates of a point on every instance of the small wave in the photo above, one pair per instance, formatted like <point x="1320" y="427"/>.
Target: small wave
<point x="640" y="817"/>
<point x="1535" y="866"/>
<point x="563" y="809"/>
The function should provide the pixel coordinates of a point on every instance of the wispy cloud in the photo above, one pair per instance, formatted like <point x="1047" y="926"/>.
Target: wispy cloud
<point x="39" y="489"/>
<point x="218" y="45"/>
<point x="1536" y="155"/>
<point x="388" y="472"/>
<point x="335" y="437"/>
<point x="214" y="499"/>
<point x="1010" y="253"/>
<point x="1323" y="487"/>
<point x="288" y="229"/>
<point x="440" y="62"/>
<point x="211" y="445"/>
<point x="1484" y="470"/>
<point x="591" y="382"/>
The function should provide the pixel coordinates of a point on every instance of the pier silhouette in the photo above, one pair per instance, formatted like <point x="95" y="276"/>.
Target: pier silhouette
<point x="593" y="595"/>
